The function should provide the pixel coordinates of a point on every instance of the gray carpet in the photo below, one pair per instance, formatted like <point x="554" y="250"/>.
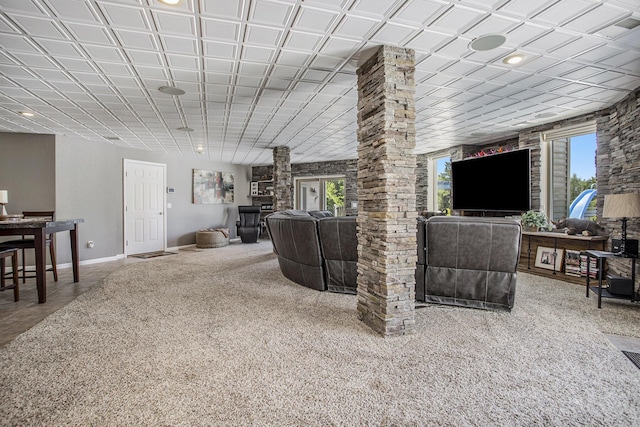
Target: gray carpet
<point x="220" y="338"/>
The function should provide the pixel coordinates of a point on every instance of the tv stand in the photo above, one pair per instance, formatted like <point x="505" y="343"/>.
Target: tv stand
<point x="555" y="240"/>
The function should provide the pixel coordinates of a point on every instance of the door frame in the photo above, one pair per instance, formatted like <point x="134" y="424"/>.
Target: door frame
<point x="125" y="163"/>
<point x="321" y="179"/>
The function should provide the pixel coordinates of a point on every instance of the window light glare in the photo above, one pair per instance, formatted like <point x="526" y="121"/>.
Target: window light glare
<point x="513" y="59"/>
<point x="170" y="2"/>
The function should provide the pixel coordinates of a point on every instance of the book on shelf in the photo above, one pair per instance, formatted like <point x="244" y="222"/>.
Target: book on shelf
<point x="572" y="263"/>
<point x="593" y="267"/>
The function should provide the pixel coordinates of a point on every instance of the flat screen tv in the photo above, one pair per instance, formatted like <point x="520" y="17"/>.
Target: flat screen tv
<point x="499" y="182"/>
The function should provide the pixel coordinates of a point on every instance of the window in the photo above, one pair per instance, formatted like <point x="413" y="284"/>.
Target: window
<point x="571" y="172"/>
<point x="321" y="193"/>
<point x="440" y="199"/>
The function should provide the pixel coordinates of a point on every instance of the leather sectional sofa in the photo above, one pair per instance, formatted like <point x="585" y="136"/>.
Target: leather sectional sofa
<point x="468" y="261"/>
<point x="463" y="261"/>
<point x="316" y="249"/>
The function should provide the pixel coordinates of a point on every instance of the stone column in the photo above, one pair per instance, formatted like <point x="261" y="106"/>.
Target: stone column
<point x="386" y="192"/>
<point x="282" y="180"/>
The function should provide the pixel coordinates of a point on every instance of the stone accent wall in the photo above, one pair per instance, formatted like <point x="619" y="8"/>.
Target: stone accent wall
<point x="423" y="161"/>
<point x="386" y="192"/>
<point x="282" y="181"/>
<point x="618" y="167"/>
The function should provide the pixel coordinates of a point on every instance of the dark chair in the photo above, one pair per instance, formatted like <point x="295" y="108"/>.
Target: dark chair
<point x="4" y="254"/>
<point x="27" y="242"/>
<point x="248" y="227"/>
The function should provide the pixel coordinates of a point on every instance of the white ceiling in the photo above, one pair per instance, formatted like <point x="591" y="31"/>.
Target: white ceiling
<point x="264" y="73"/>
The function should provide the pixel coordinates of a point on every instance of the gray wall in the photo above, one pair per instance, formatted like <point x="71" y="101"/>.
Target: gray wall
<point x="83" y="179"/>
<point x="27" y="167"/>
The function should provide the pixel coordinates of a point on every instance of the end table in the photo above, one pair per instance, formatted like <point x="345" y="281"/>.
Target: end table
<point x="603" y="292"/>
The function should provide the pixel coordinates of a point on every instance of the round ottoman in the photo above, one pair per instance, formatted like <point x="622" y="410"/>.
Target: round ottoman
<point x="212" y="238"/>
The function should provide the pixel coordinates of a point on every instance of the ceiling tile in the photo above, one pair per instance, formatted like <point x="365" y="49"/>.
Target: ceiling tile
<point x="303" y="41"/>
<point x="126" y="17"/>
<point x="75" y="11"/>
<point x="419" y="12"/>
<point x="355" y="26"/>
<point x="271" y="13"/>
<point x="393" y="34"/>
<point x="90" y="34"/>
<point x="315" y="20"/>
<point x="175" y="23"/>
<point x="261" y="73"/>
<point x="220" y="30"/>
<point x="458" y="19"/>
<point x="39" y="27"/>
<point x="187" y="46"/>
<point x="563" y="11"/>
<point x="137" y="40"/>
<point x="263" y="36"/>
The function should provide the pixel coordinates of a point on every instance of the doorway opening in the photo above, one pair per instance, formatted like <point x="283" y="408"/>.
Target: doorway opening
<point x="321" y="193"/>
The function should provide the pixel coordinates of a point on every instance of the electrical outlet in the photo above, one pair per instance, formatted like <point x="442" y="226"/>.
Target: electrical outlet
<point x="90" y="244"/>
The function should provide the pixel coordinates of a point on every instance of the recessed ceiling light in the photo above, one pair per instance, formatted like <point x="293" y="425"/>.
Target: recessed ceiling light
<point x="513" y="59"/>
<point x="26" y="113"/>
<point x="170" y="2"/>
<point x="170" y="90"/>
<point x="487" y="42"/>
<point x="185" y="129"/>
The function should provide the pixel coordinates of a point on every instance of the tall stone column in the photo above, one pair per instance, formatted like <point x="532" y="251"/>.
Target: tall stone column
<point x="282" y="180"/>
<point x="386" y="192"/>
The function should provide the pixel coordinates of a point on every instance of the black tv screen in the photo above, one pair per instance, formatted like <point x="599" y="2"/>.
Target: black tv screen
<point x="499" y="182"/>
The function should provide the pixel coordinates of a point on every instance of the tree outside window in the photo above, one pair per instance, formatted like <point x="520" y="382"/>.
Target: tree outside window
<point x="443" y="166"/>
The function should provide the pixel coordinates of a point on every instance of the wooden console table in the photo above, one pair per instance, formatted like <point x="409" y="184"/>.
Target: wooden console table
<point x="531" y="240"/>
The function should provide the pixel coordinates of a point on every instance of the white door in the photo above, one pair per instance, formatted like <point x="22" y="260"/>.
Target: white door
<point x="144" y="207"/>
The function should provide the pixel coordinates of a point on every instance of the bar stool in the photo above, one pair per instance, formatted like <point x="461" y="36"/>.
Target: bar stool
<point x="13" y="253"/>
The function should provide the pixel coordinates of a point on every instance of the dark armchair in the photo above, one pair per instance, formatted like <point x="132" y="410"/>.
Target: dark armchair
<point x="248" y="227"/>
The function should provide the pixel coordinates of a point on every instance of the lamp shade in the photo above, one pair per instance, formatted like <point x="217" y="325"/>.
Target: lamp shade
<point x="621" y="205"/>
<point x="4" y="196"/>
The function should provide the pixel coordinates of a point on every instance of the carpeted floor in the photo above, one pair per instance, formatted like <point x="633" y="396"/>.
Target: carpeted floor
<point x="220" y="338"/>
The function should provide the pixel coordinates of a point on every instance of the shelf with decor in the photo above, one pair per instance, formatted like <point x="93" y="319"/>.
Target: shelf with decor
<point x="558" y="255"/>
<point x="261" y="188"/>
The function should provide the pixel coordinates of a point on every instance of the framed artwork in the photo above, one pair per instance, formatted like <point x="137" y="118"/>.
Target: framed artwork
<point x="212" y="187"/>
<point x="549" y="258"/>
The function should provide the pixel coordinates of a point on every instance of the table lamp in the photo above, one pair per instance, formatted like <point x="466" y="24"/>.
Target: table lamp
<point x="623" y="206"/>
<point x="4" y="199"/>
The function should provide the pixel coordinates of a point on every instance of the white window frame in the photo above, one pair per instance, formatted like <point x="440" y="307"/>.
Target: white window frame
<point x="313" y="178"/>
<point x="432" y="199"/>
<point x="546" y="138"/>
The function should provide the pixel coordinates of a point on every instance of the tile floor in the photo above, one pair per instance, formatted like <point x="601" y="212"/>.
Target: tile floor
<point x="17" y="317"/>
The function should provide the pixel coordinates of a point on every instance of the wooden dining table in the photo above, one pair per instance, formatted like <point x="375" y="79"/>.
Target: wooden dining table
<point x="39" y="228"/>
